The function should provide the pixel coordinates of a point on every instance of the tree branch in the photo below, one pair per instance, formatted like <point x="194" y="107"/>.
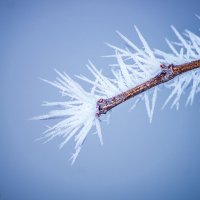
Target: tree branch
<point x="168" y="72"/>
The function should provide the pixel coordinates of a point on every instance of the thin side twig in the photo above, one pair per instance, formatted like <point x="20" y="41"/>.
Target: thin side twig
<point x="168" y="72"/>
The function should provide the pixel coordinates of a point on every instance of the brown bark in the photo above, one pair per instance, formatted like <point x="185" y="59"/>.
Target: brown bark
<point x="167" y="73"/>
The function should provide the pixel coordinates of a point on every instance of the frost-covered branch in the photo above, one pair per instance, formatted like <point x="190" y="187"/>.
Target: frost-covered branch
<point x="137" y="73"/>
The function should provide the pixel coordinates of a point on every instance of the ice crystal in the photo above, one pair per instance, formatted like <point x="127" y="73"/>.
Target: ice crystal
<point x="134" y="65"/>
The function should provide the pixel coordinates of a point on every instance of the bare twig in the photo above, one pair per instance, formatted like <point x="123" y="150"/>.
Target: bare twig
<point x="168" y="73"/>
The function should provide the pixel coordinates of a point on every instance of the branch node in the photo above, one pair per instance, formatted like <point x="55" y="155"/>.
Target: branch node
<point x="167" y="72"/>
<point x="100" y="107"/>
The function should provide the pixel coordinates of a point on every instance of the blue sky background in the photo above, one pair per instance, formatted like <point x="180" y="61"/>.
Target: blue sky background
<point x="158" y="161"/>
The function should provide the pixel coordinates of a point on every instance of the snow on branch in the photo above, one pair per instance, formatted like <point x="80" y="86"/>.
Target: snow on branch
<point x="137" y="71"/>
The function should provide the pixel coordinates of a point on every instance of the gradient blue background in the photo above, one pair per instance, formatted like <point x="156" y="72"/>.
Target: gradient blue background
<point x="142" y="161"/>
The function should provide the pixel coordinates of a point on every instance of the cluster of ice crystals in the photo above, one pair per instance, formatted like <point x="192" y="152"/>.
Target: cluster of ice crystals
<point x="133" y="66"/>
<point x="142" y="65"/>
<point x="185" y="50"/>
<point x="77" y="114"/>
